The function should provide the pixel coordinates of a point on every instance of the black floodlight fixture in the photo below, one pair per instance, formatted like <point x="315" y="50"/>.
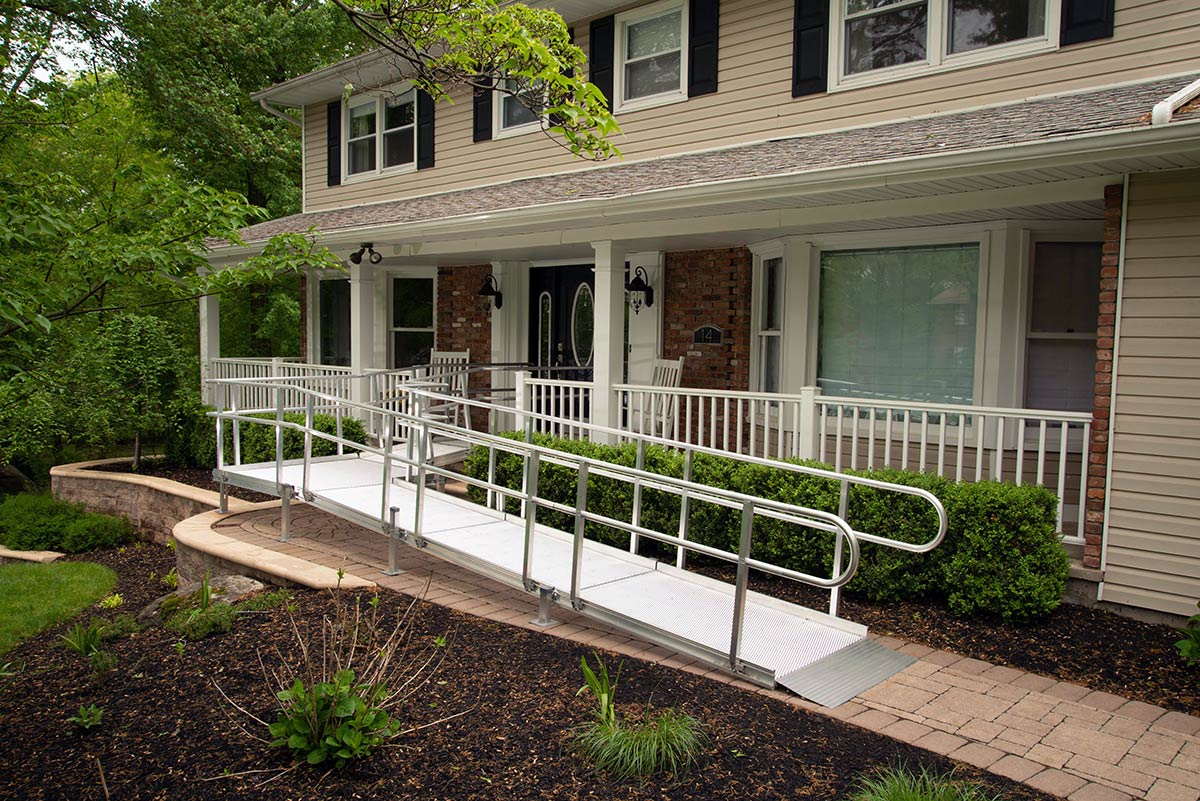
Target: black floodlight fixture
<point x="491" y="289"/>
<point x="366" y="247"/>
<point x="640" y="291"/>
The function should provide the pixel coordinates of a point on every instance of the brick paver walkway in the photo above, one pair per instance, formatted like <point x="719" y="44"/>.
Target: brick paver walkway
<point x="1061" y="738"/>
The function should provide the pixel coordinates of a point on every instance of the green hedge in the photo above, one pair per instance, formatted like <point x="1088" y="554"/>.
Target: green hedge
<point x="1001" y="555"/>
<point x="42" y="523"/>
<point x="192" y="437"/>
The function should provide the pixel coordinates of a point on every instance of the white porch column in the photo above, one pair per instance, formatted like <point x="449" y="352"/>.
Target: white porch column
<point x="210" y="344"/>
<point x="362" y="325"/>
<point x="312" y="315"/>
<point x="510" y="325"/>
<point x="609" y="332"/>
<point x="645" y="327"/>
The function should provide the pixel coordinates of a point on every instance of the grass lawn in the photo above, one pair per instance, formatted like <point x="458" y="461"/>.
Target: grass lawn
<point x="35" y="596"/>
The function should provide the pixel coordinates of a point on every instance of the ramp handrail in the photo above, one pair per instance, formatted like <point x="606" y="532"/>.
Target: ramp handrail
<point x="685" y="488"/>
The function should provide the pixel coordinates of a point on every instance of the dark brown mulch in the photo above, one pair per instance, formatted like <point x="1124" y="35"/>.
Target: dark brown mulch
<point x="192" y="476"/>
<point x="1078" y="644"/>
<point x="167" y="733"/>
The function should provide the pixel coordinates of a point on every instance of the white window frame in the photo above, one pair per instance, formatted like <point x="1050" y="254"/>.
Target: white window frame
<point x="762" y="255"/>
<point x="641" y="15"/>
<point x="379" y="98"/>
<point x="499" y="130"/>
<point x="938" y="58"/>
<point x="391" y="328"/>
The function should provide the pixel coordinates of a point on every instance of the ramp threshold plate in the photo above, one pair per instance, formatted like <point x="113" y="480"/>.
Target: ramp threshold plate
<point x="822" y="658"/>
<point x="846" y="673"/>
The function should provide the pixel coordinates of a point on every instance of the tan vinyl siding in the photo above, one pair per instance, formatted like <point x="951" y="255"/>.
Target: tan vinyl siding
<point x="1153" y="553"/>
<point x="1153" y="38"/>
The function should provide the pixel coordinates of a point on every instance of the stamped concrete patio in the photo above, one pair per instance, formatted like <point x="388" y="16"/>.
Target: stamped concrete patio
<point x="1058" y="737"/>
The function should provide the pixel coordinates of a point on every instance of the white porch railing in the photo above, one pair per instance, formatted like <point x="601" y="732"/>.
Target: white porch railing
<point x="320" y="378"/>
<point x="961" y="443"/>
<point x="569" y="403"/>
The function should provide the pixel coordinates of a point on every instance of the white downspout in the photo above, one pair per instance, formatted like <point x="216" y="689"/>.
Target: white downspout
<point x="274" y="112"/>
<point x="1162" y="112"/>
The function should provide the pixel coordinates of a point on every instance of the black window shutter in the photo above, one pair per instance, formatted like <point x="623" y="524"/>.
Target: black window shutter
<point x="482" y="121"/>
<point x="810" y="48"/>
<point x="703" y="16"/>
<point x="425" y="106"/>
<point x="571" y="38"/>
<point x="1085" y="20"/>
<point x="600" y="63"/>
<point x="333" y="139"/>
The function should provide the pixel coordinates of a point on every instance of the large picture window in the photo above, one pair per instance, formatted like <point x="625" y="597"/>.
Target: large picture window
<point x="381" y="134"/>
<point x="651" y="55"/>
<point x="899" y="323"/>
<point x="879" y="39"/>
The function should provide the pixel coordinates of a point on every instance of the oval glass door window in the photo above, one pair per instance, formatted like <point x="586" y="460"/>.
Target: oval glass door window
<point x="583" y="316"/>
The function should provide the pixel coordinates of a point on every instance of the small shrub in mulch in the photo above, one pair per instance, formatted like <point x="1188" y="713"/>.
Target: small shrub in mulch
<point x="42" y="523"/>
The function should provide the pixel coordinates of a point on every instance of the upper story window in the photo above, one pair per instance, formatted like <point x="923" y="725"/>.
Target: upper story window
<point x="381" y="133"/>
<point x="651" y="56"/>
<point x="878" y="40"/>
<point x="512" y="115"/>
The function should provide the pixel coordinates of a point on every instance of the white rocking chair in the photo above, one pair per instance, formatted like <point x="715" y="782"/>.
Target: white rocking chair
<point x="654" y="413"/>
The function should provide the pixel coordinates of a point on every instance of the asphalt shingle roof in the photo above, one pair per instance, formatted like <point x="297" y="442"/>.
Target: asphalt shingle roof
<point x="1029" y="122"/>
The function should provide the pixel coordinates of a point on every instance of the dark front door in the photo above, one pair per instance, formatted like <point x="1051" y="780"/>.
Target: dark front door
<point x="561" y="320"/>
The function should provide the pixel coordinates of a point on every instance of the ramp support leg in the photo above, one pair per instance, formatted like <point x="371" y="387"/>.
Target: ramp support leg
<point x="393" y="543"/>
<point x="545" y="599"/>
<point x="223" y="496"/>
<point x="285" y="513"/>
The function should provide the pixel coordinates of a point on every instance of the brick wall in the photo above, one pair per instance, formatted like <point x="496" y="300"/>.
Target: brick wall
<point x="1093" y="526"/>
<point x="464" y="319"/>
<point x="709" y="287"/>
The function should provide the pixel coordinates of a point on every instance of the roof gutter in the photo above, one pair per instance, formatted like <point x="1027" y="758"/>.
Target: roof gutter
<point x="274" y="112"/>
<point x="1086" y="147"/>
<point x="1162" y="112"/>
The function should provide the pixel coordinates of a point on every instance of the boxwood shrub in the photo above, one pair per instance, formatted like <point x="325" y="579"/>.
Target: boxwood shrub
<point x="192" y="438"/>
<point x="1001" y="556"/>
<point x="42" y="523"/>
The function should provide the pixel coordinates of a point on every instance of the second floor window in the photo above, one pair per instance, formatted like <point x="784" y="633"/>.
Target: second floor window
<point x="512" y="115"/>
<point x="886" y="35"/>
<point x="651" y="55"/>
<point x="381" y="133"/>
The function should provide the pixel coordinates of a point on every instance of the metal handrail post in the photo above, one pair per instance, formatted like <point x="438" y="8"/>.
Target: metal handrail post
<point x="739" y="592"/>
<point x="338" y="422"/>
<point x="685" y="504"/>
<point x="580" y="525"/>
<point x="387" y="477"/>
<point x="639" y="464"/>
<point x="279" y="436"/>
<point x="533" y="461"/>
<point x="237" y="429"/>
<point x="493" y="497"/>
<point x="419" y="501"/>
<point x="393" y="540"/>
<point x="309" y="414"/>
<point x="285" y="513"/>
<point x="835" y="594"/>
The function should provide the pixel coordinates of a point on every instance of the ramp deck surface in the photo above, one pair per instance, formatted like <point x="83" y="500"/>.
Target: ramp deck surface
<point x="674" y="607"/>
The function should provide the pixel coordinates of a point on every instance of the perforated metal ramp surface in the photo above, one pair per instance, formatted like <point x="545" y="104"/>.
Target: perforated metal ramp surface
<point x="823" y="658"/>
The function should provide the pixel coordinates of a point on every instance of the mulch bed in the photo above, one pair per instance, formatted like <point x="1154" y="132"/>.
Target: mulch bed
<point x="1078" y="644"/>
<point x="167" y="733"/>
<point x="200" y="477"/>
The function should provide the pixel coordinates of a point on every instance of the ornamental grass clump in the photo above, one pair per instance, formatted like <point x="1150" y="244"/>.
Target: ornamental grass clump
<point x="901" y="784"/>
<point x="659" y="741"/>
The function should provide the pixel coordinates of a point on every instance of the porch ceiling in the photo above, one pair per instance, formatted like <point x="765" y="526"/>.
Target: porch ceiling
<point x="1038" y="159"/>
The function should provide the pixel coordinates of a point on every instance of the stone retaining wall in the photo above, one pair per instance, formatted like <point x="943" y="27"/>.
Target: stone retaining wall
<point x="153" y="505"/>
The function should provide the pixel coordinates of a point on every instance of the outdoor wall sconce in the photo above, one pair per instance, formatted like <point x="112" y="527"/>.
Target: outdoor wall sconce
<point x="366" y="247"/>
<point x="491" y="289"/>
<point x="640" y="292"/>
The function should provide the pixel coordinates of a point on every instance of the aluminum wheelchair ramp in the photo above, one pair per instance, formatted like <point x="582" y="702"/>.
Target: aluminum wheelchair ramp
<point x="821" y="657"/>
